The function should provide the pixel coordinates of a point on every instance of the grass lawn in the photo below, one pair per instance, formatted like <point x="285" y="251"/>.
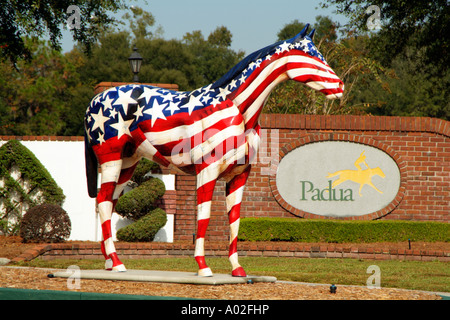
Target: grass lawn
<point x="418" y="275"/>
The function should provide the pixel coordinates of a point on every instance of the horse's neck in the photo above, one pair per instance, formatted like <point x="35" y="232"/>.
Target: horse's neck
<point x="252" y="94"/>
<point x="371" y="172"/>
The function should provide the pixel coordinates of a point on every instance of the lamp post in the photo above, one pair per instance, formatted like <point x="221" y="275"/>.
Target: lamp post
<point x="135" y="61"/>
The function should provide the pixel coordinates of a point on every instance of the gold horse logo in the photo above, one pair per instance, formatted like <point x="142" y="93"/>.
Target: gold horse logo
<point x="360" y="176"/>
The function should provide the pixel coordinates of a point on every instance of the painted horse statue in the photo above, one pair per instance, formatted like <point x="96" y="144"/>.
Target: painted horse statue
<point x="212" y="132"/>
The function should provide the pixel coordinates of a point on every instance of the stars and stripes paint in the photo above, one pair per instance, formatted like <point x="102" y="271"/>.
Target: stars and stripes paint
<point x="212" y="132"/>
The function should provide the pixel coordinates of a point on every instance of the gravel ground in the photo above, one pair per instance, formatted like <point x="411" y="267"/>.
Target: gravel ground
<point x="33" y="278"/>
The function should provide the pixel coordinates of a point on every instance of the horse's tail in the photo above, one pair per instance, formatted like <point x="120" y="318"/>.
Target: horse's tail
<point x="91" y="168"/>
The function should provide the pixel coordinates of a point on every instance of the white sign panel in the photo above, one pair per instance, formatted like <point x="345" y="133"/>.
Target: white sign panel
<point x="338" y="179"/>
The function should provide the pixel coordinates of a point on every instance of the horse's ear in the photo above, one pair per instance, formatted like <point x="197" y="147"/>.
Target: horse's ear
<point x="302" y="33"/>
<point x="311" y="34"/>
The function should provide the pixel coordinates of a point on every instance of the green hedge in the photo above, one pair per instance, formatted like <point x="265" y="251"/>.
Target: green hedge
<point x="14" y="153"/>
<point x="338" y="231"/>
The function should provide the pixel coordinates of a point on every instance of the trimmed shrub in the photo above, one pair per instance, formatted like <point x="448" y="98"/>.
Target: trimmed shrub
<point x="45" y="223"/>
<point x="145" y="228"/>
<point x="14" y="153"/>
<point x="138" y="202"/>
<point x="24" y="183"/>
<point x="145" y="166"/>
<point x="338" y="231"/>
<point x="139" y="205"/>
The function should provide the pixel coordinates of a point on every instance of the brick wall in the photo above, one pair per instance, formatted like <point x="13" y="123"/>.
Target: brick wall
<point x="297" y="250"/>
<point x="420" y="147"/>
<point x="41" y="138"/>
<point x="105" y="85"/>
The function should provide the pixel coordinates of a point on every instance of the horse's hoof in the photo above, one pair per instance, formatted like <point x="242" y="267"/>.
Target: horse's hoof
<point x="119" y="268"/>
<point x="117" y="265"/>
<point x="238" y="272"/>
<point x="108" y="264"/>
<point x="205" y="272"/>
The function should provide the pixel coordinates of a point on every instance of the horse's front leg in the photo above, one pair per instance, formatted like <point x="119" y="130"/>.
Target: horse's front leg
<point x="234" y="192"/>
<point x="105" y="199"/>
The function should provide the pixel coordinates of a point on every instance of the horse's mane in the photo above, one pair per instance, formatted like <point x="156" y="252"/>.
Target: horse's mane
<point x="239" y="68"/>
<point x="262" y="53"/>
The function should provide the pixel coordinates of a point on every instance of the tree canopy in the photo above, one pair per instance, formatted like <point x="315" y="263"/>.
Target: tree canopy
<point x="46" y="92"/>
<point x="39" y="18"/>
<point x="414" y="23"/>
<point x="413" y="41"/>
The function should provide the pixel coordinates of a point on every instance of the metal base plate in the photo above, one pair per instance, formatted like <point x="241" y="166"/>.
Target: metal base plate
<point x="163" y="276"/>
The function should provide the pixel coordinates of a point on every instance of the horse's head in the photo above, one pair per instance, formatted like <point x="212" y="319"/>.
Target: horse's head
<point x="307" y="65"/>
<point x="379" y="172"/>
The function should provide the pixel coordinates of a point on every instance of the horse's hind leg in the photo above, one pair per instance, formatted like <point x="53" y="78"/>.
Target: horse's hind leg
<point x="234" y="192"/>
<point x="205" y="192"/>
<point x="109" y="179"/>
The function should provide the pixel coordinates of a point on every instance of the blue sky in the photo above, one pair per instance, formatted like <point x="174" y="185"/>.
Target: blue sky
<point x="253" y="23"/>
